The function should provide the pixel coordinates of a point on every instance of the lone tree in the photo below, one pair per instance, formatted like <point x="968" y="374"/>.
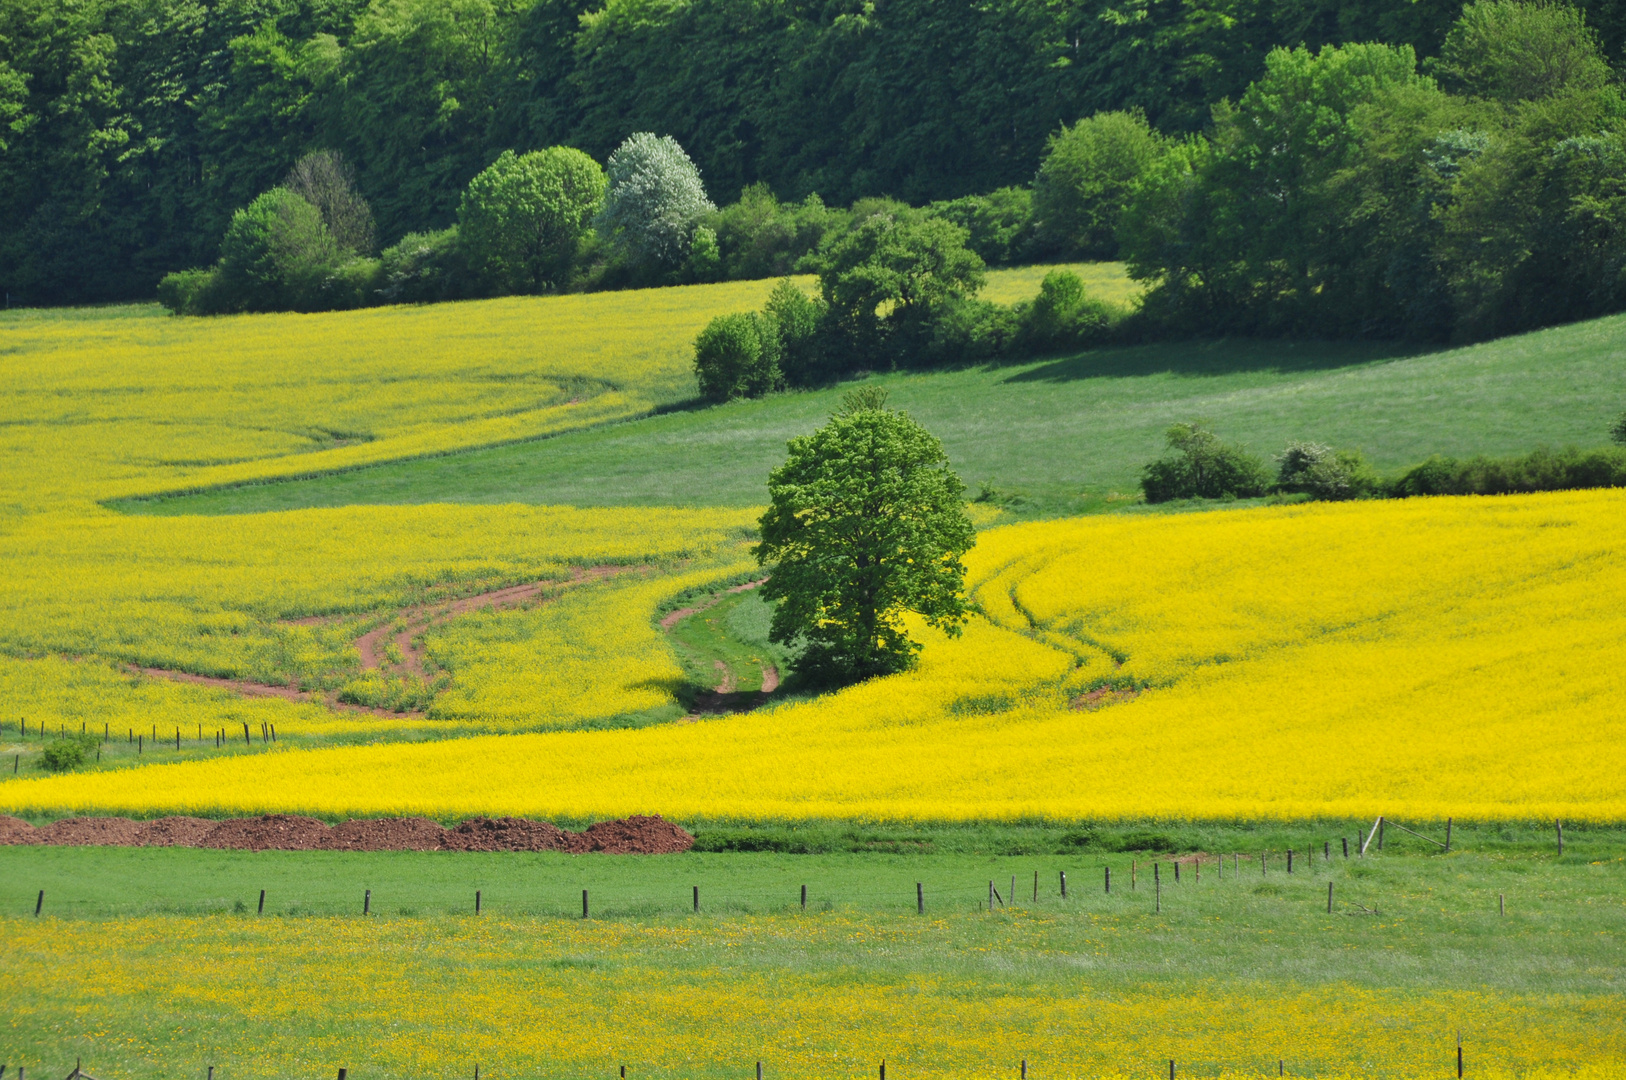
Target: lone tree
<point x="867" y="522"/>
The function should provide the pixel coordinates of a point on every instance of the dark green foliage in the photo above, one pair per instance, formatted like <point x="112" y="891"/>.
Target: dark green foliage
<point x="761" y="237"/>
<point x="1308" y="468"/>
<point x="133" y="129"/>
<point x="1347" y="195"/>
<point x="999" y="225"/>
<point x="1618" y="431"/>
<point x="1542" y="470"/>
<point x="1085" y="182"/>
<point x="737" y="356"/>
<point x="865" y="522"/>
<point x="426" y="267"/>
<point x="798" y="321"/>
<point x="1202" y="467"/>
<point x="885" y="278"/>
<point x="1261" y="228"/>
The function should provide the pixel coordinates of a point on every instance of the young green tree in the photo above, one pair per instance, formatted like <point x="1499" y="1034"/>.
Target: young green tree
<point x="1085" y="182"/>
<point x="274" y="256"/>
<point x="866" y="523"/>
<point x="737" y="356"/>
<point x="522" y="219"/>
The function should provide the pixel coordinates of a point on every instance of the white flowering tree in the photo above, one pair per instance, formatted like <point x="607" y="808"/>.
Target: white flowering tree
<point x="655" y="199"/>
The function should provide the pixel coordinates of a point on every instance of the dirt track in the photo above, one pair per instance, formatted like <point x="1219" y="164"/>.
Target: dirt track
<point x="638" y="835"/>
<point x="373" y="645"/>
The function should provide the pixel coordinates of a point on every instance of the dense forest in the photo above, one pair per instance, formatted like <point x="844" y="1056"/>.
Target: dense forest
<point x="132" y="130"/>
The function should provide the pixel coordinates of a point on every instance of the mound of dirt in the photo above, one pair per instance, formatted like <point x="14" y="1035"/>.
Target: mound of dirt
<point x="17" y="831"/>
<point x="506" y="834"/>
<point x="636" y="835"/>
<point x="269" y="832"/>
<point x="387" y="834"/>
<point x="82" y="831"/>
<point x="176" y="832"/>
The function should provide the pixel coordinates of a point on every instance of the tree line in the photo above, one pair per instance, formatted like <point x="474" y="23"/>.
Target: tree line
<point x="131" y="131"/>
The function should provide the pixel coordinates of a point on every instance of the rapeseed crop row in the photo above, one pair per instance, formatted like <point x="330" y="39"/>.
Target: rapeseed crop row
<point x="1425" y="659"/>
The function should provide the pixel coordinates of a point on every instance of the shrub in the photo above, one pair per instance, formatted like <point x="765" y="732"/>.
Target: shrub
<point x="1312" y="469"/>
<point x="737" y="356"/>
<point x="1086" y="179"/>
<point x="185" y="292"/>
<point x="1541" y="470"/>
<point x="1063" y="316"/>
<point x="761" y="237"/>
<point x="60" y="755"/>
<point x="705" y="262"/>
<point x="999" y="225"/>
<point x="798" y="321"/>
<point x="1618" y="432"/>
<point x="353" y="284"/>
<point x="425" y="267"/>
<point x="275" y="255"/>
<point x="654" y="201"/>
<point x="522" y="219"/>
<point x="1202" y="467"/>
<point x="886" y="277"/>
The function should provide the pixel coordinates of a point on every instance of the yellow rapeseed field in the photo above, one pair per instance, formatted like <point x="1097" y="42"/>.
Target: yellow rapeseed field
<point x="1421" y="659"/>
<point x="110" y="403"/>
<point x="542" y="997"/>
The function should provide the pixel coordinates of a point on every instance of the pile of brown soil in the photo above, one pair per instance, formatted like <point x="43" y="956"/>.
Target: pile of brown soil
<point x="387" y="834"/>
<point x="17" y="831"/>
<point x="176" y="831"/>
<point x="637" y="835"/>
<point x="268" y="832"/>
<point x="83" y="831"/>
<point x="506" y="834"/>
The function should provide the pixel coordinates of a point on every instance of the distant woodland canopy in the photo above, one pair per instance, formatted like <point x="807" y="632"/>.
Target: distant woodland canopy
<point x="132" y="130"/>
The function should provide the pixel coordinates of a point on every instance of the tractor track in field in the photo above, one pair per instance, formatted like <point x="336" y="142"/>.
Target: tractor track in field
<point x="402" y="631"/>
<point x="725" y="698"/>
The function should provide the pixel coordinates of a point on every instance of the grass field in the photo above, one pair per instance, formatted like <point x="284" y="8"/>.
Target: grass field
<point x="1065" y="434"/>
<point x="1234" y="973"/>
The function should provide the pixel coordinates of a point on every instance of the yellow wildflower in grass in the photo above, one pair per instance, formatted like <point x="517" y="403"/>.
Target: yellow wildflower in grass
<point x="391" y="997"/>
<point x="1419" y="659"/>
